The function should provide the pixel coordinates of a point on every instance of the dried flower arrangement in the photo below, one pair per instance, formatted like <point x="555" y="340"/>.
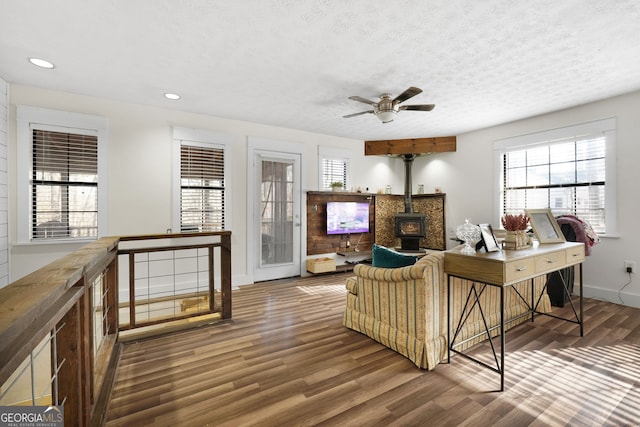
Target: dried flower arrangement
<point x="512" y="222"/>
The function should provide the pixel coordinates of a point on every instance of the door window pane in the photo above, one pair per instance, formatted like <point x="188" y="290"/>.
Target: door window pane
<point x="277" y="212"/>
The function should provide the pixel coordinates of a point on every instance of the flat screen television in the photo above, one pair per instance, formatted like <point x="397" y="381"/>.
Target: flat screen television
<point x="347" y="217"/>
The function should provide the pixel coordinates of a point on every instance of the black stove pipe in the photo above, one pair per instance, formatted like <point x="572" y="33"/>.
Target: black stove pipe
<point x="408" y="162"/>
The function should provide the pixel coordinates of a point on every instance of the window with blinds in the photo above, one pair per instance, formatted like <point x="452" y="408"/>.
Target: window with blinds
<point x="334" y="170"/>
<point x="201" y="188"/>
<point x="64" y="185"/>
<point x="568" y="176"/>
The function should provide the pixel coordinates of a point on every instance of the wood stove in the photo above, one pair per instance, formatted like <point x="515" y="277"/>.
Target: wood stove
<point x="410" y="226"/>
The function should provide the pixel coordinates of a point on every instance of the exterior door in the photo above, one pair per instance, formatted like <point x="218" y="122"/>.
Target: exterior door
<point x="277" y="211"/>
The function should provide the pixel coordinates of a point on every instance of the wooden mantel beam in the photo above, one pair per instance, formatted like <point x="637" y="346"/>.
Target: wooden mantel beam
<point x="441" y="144"/>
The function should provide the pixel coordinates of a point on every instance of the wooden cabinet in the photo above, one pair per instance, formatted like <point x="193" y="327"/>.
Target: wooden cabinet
<point x="550" y="262"/>
<point x="516" y="271"/>
<point x="510" y="266"/>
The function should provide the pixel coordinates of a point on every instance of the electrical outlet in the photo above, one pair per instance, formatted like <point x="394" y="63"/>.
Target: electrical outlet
<point x="630" y="266"/>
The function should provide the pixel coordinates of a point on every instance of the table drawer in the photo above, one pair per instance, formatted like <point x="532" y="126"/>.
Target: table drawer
<point x="519" y="269"/>
<point x="575" y="255"/>
<point x="550" y="261"/>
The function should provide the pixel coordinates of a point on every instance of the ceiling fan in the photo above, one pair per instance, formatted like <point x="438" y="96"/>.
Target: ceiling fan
<point x="387" y="108"/>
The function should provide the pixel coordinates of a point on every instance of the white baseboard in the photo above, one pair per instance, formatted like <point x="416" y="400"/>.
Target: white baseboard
<point x="614" y="296"/>
<point x="237" y="281"/>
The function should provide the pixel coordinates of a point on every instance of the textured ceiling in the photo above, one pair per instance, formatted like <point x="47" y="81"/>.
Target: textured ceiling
<point x="294" y="63"/>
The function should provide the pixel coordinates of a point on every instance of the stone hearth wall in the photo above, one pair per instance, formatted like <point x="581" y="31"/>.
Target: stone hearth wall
<point x="432" y="205"/>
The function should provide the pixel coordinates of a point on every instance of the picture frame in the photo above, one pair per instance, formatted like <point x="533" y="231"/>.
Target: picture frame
<point x="545" y="227"/>
<point x="488" y="239"/>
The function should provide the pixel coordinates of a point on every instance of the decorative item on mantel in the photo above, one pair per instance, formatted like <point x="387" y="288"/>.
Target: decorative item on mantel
<point x="516" y="227"/>
<point x="470" y="234"/>
<point x="336" y="186"/>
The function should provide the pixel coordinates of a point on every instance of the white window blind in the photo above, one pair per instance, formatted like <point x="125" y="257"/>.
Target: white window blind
<point x="202" y="188"/>
<point x="569" y="175"/>
<point x="64" y="185"/>
<point x="333" y="170"/>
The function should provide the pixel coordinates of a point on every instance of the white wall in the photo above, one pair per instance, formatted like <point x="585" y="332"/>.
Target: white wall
<point x="140" y="175"/>
<point x="4" y="200"/>
<point x="140" y="142"/>
<point x="467" y="177"/>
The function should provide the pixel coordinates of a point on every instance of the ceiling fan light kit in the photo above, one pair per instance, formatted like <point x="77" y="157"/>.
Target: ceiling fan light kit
<point x="386" y="116"/>
<point x="386" y="109"/>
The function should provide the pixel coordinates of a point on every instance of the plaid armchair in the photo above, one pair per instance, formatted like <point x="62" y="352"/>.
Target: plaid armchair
<point x="405" y="308"/>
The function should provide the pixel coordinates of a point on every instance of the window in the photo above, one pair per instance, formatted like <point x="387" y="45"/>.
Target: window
<point x="333" y="170"/>
<point x="201" y="183"/>
<point x="568" y="170"/>
<point x="61" y="157"/>
<point x="64" y="185"/>
<point x="201" y="188"/>
<point x="334" y="166"/>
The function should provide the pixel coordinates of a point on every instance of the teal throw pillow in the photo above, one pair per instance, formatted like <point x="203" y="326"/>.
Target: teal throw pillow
<point x="387" y="258"/>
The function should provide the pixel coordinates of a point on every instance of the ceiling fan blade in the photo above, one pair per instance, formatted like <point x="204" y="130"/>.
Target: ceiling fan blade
<point x="424" y="107"/>
<point x="357" y="114"/>
<point x="360" y="99"/>
<point x="409" y="93"/>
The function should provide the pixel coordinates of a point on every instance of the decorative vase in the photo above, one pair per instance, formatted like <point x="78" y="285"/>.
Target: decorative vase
<point x="470" y="234"/>
<point x="516" y="239"/>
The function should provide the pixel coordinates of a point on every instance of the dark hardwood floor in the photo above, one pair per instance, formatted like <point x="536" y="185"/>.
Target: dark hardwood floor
<point x="286" y="360"/>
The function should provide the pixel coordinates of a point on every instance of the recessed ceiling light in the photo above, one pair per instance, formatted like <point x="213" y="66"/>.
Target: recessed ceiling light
<point x="172" y="96"/>
<point x="42" y="63"/>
